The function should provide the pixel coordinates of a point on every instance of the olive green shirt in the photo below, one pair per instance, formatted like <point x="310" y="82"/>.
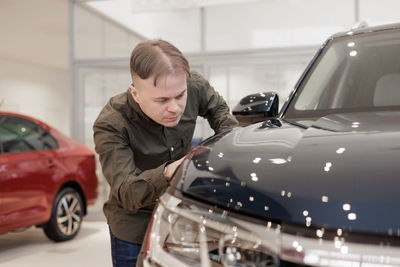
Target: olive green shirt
<point x="133" y="151"/>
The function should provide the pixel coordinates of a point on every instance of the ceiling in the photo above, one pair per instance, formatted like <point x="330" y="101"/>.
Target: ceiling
<point x="138" y="6"/>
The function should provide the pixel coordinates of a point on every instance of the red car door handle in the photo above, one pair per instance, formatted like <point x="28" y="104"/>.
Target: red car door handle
<point x="50" y="163"/>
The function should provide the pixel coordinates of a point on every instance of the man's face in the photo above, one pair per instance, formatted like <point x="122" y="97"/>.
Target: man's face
<point x="164" y="103"/>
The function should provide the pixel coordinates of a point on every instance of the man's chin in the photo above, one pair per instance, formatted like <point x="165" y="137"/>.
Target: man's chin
<point x="171" y="123"/>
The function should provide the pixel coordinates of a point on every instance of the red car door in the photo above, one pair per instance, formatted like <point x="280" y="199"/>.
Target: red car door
<point x="27" y="168"/>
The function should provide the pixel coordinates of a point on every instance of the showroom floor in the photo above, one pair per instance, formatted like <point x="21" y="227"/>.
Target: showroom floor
<point x="91" y="247"/>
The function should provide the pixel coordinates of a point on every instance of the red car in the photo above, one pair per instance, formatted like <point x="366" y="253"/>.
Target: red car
<point x="46" y="178"/>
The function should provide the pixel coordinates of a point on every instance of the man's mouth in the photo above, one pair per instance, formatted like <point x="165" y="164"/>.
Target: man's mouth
<point x="172" y="118"/>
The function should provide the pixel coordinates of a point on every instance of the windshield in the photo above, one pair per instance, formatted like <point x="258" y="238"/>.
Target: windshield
<point x="354" y="74"/>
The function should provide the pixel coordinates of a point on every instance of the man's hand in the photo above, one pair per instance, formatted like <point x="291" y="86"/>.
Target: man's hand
<point x="170" y="169"/>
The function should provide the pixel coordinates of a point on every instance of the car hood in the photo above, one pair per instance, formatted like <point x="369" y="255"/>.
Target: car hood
<point x="342" y="172"/>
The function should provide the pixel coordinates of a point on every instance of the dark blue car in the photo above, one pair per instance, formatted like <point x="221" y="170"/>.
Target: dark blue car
<point x="317" y="184"/>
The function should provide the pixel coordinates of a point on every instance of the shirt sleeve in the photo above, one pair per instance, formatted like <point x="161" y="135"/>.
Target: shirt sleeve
<point x="212" y="106"/>
<point x="130" y="187"/>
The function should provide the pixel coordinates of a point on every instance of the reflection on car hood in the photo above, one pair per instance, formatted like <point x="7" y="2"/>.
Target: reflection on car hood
<point x="343" y="172"/>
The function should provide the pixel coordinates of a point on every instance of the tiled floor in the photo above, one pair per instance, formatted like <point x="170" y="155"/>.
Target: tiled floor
<point x="31" y="248"/>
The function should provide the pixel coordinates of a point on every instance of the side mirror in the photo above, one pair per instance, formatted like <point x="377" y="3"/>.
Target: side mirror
<point x="256" y="107"/>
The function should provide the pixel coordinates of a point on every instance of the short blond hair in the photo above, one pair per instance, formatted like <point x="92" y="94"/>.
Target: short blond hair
<point x="157" y="58"/>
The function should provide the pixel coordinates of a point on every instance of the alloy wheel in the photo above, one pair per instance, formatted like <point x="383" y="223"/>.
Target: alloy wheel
<point x="69" y="214"/>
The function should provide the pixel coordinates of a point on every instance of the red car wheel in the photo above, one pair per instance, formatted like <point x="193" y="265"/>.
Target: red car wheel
<point x="66" y="216"/>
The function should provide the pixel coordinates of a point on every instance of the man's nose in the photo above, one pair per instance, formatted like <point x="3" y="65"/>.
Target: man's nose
<point x="173" y="106"/>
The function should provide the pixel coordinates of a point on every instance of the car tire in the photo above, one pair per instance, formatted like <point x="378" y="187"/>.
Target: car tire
<point x="66" y="216"/>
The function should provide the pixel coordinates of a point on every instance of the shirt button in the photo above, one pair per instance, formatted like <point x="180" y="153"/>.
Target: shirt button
<point x="172" y="148"/>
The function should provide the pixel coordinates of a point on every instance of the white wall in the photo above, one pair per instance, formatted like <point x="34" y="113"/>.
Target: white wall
<point x="182" y="27"/>
<point x="35" y="31"/>
<point x="276" y="23"/>
<point x="260" y="24"/>
<point x="38" y="91"/>
<point x="34" y="65"/>
<point x="380" y="12"/>
<point x="98" y="38"/>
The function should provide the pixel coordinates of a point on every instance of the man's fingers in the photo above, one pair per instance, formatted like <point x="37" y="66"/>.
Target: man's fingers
<point x="172" y="167"/>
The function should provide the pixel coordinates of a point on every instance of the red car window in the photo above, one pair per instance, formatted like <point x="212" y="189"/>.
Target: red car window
<point x="21" y="135"/>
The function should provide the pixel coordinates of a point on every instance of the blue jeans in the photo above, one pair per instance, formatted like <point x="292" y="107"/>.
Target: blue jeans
<point x="123" y="253"/>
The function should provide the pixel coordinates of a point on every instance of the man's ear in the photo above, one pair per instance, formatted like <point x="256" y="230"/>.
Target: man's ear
<point x="134" y="93"/>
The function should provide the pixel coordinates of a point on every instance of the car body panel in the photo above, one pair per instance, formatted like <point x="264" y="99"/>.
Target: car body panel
<point x="281" y="173"/>
<point x="28" y="177"/>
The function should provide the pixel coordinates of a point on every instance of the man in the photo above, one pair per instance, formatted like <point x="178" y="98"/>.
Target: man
<point x="143" y="135"/>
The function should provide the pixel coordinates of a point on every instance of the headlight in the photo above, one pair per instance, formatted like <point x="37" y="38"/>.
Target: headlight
<point x="183" y="234"/>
